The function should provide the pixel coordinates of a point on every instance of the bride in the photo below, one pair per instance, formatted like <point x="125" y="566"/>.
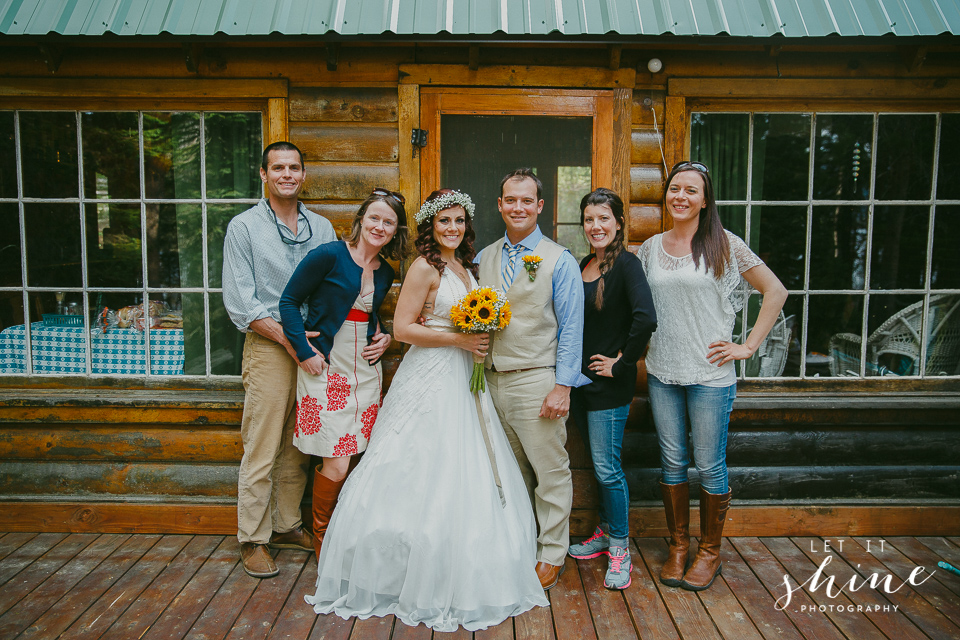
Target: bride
<point x="422" y="529"/>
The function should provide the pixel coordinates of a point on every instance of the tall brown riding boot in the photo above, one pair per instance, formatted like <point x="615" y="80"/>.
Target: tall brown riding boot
<point x="676" y="504"/>
<point x="325" y="493"/>
<point x="706" y="564"/>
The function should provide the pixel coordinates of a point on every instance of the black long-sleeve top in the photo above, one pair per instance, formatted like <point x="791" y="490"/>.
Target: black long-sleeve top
<point x="624" y="324"/>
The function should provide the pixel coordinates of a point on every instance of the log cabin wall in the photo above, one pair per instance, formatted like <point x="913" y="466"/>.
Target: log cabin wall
<point x="806" y="457"/>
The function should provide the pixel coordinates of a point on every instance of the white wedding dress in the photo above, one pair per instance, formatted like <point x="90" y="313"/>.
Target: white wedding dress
<point x="420" y="530"/>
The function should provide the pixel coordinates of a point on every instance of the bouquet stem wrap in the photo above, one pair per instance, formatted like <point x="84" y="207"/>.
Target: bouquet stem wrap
<point x="478" y="381"/>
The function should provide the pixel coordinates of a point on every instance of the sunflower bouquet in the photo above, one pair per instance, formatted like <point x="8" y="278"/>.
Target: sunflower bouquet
<point x="483" y="310"/>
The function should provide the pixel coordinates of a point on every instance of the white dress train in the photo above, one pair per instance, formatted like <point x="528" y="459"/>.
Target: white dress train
<point x="420" y="531"/>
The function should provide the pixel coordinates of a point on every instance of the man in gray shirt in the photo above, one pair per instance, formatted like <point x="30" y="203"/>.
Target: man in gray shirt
<point x="262" y="247"/>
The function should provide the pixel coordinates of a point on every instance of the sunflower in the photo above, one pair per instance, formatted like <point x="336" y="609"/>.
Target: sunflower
<point x="505" y="315"/>
<point x="485" y="312"/>
<point x="488" y="294"/>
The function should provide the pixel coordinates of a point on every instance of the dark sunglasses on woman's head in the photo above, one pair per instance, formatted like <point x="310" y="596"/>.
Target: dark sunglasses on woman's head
<point x="699" y="166"/>
<point x="380" y="191"/>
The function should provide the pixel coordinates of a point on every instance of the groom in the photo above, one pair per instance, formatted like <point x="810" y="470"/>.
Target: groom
<point x="535" y="361"/>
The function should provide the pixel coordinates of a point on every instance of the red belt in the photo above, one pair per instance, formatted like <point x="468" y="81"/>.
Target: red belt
<point x="355" y="315"/>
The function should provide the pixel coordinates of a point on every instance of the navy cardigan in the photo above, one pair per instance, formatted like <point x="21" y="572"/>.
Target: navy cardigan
<point x="330" y="281"/>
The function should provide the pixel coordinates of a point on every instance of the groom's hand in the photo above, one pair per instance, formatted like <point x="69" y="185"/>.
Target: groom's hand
<point x="556" y="404"/>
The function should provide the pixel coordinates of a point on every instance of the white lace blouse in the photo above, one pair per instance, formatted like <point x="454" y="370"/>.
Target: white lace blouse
<point x="694" y="309"/>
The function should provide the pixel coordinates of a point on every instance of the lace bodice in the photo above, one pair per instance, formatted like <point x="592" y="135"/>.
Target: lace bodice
<point x="694" y="309"/>
<point x="451" y="290"/>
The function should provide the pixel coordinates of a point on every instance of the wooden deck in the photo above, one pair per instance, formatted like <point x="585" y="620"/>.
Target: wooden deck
<point x="120" y="586"/>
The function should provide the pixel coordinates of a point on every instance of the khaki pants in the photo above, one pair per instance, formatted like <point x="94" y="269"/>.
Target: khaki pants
<point x="538" y="444"/>
<point x="273" y="473"/>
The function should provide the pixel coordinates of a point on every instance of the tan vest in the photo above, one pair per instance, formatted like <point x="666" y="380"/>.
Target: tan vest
<point x="531" y="338"/>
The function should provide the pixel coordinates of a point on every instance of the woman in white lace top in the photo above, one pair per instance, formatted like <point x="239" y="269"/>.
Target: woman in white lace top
<point x="695" y="271"/>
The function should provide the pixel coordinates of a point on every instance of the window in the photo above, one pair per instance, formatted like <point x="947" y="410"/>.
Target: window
<point x="112" y="223"/>
<point x="858" y="214"/>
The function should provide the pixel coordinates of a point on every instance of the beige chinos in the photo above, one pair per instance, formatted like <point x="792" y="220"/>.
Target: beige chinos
<point x="273" y="473"/>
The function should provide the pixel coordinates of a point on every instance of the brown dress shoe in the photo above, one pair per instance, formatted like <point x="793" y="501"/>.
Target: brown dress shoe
<point x="706" y="564"/>
<point x="257" y="561"/>
<point x="549" y="574"/>
<point x="296" y="539"/>
<point x="676" y="505"/>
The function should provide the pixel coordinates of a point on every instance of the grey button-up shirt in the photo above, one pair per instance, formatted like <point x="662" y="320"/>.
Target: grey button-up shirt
<point x="257" y="264"/>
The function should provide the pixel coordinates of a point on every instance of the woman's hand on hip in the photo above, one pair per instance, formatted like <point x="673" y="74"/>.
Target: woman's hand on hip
<point x="375" y="350"/>
<point x="602" y="365"/>
<point x="722" y="352"/>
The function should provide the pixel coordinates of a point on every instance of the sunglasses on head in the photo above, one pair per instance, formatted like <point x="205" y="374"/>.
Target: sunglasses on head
<point x="386" y="193"/>
<point x="699" y="166"/>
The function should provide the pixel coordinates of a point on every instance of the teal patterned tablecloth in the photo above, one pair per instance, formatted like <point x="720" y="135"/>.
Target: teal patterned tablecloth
<point x="63" y="350"/>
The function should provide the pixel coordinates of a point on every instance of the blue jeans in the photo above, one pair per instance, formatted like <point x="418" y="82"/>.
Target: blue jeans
<point x="602" y="432"/>
<point x="706" y="412"/>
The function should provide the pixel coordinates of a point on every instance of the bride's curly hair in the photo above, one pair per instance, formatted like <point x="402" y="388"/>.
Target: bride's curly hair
<point x="429" y="248"/>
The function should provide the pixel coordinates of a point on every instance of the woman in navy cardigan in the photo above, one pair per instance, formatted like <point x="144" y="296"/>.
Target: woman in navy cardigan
<point x="339" y="385"/>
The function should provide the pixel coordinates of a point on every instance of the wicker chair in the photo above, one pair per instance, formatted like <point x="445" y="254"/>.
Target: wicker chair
<point x="771" y="357"/>
<point x="897" y="340"/>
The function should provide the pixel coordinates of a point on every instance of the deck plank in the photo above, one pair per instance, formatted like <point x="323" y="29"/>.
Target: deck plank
<point x="459" y="634"/>
<point x="95" y="621"/>
<point x="921" y="554"/>
<point x="611" y="618"/>
<point x="535" y="624"/>
<point x="140" y="615"/>
<point x="38" y="601"/>
<point x="771" y="622"/>
<point x="895" y="625"/>
<point x="222" y="610"/>
<point x="43" y="567"/>
<point x="502" y="631"/>
<point x="930" y="605"/>
<point x="405" y="632"/>
<point x="853" y="625"/>
<point x="27" y="554"/>
<point x="12" y="541"/>
<point x="297" y="618"/>
<point x="688" y="613"/>
<point x="650" y="615"/>
<point x="72" y="605"/>
<point x="373" y="628"/>
<point x="189" y="604"/>
<point x="571" y="613"/>
<point x="264" y="605"/>
<point x="333" y="627"/>
<point x="812" y="624"/>
<point x="726" y="611"/>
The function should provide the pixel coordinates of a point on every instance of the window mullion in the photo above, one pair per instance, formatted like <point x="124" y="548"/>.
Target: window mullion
<point x="931" y="219"/>
<point x="84" y="282"/>
<point x="27" y="334"/>
<point x="868" y="258"/>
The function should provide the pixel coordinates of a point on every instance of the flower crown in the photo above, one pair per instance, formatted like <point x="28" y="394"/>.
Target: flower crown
<point x="431" y="208"/>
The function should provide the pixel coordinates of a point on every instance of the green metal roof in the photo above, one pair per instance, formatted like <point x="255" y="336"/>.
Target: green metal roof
<point x="510" y="18"/>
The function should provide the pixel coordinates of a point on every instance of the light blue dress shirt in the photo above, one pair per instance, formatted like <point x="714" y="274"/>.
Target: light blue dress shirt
<point x="567" y="306"/>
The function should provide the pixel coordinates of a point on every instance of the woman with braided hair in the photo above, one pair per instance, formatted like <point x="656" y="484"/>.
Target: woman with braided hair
<point x="618" y="320"/>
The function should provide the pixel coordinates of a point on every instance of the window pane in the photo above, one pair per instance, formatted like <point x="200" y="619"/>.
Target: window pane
<point x="233" y="154"/>
<point x="779" y="353"/>
<point x="781" y="156"/>
<point x="834" y="329"/>
<point x="53" y="245"/>
<point x="571" y="236"/>
<point x="218" y="217"/>
<point x="171" y="155"/>
<point x="226" y="343"/>
<point x="8" y="156"/>
<point x="174" y="245"/>
<point x="838" y="248"/>
<point x="174" y="351"/>
<point x="113" y="245"/>
<point x="945" y="263"/>
<point x="948" y="187"/>
<point x="10" y="246"/>
<point x="111" y="156"/>
<point x="782" y="241"/>
<point x="894" y="322"/>
<point x="734" y="219"/>
<point x="572" y="184"/>
<point x="943" y="345"/>
<point x="899" y="247"/>
<point x="905" y="157"/>
<point x="721" y="141"/>
<point x="59" y="344"/>
<point x="843" y="157"/>
<point x="48" y="154"/>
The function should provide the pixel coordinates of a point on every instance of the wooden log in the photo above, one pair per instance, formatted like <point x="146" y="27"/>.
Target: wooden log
<point x="646" y="220"/>
<point x="813" y="88"/>
<point x="349" y="181"/>
<point x="339" y="214"/>
<point x="646" y="184"/>
<point x="645" y="146"/>
<point x="622" y="126"/>
<point x="346" y="142"/>
<point x="332" y="104"/>
<point x="141" y="87"/>
<point x="516" y="75"/>
<point x="643" y="101"/>
<point x="676" y="142"/>
<point x="277" y="121"/>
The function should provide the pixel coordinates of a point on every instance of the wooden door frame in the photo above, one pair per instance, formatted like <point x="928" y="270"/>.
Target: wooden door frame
<point x="608" y="165"/>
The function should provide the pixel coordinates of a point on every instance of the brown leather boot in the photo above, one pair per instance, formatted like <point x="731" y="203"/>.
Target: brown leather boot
<point x="676" y="504"/>
<point x="706" y="564"/>
<point x="325" y="493"/>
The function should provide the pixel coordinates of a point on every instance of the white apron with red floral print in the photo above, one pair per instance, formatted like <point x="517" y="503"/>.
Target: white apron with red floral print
<point x="336" y="409"/>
